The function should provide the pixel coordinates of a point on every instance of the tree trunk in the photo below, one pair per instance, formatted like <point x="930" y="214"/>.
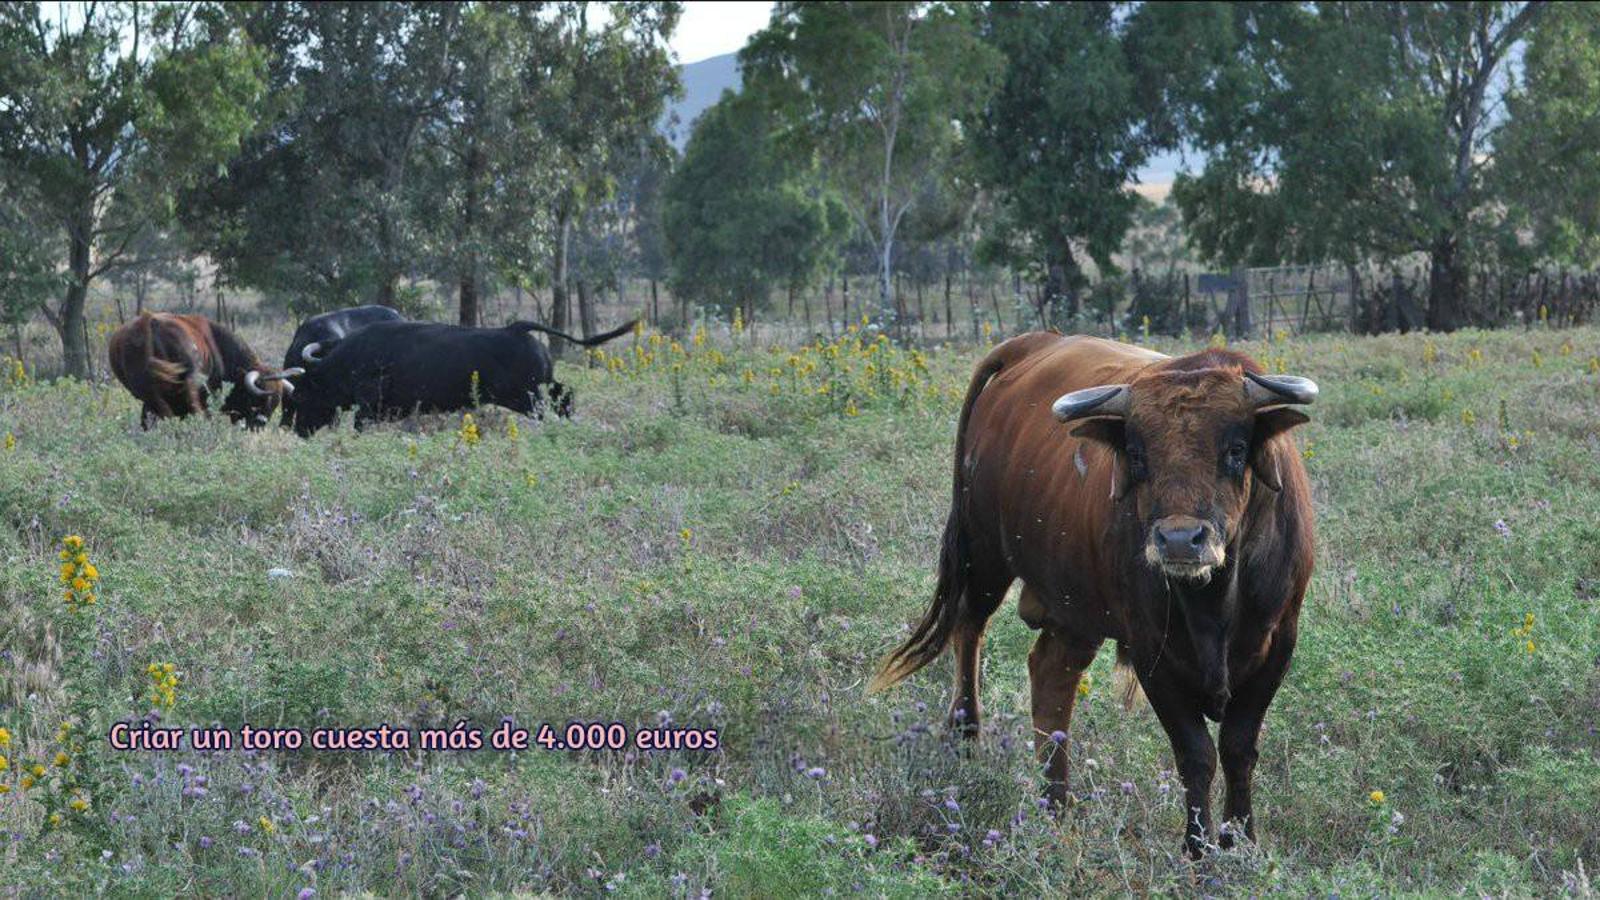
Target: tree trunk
<point x="469" y="298"/>
<point x="585" y="309"/>
<point x="1236" y="317"/>
<point x="655" y="306"/>
<point x="1446" y="289"/>
<point x="949" y="311"/>
<point x="558" y="281"/>
<point x="470" y="314"/>
<point x="69" y="322"/>
<point x="827" y="306"/>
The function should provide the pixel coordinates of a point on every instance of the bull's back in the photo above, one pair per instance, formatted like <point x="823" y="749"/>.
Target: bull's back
<point x="1025" y="497"/>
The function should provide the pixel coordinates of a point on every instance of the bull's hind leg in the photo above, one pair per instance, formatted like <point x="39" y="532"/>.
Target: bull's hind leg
<point x="981" y="598"/>
<point x="1055" y="665"/>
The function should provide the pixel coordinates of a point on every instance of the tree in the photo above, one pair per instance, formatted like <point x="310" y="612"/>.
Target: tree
<point x="598" y="94"/>
<point x="322" y="205"/>
<point x="877" y="90"/>
<point x="28" y="276"/>
<point x="1061" y="140"/>
<point x="1547" y="164"/>
<point x="106" y="113"/>
<point x="740" y="214"/>
<point x="1342" y="130"/>
<point x="483" y="183"/>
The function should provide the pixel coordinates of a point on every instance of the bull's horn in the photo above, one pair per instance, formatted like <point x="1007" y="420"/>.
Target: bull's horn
<point x="284" y="375"/>
<point x="1278" y="390"/>
<point x="309" y="352"/>
<point x="250" y="379"/>
<point x="1110" y="400"/>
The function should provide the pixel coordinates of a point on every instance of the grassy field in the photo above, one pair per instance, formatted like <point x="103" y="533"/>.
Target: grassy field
<point x="729" y="537"/>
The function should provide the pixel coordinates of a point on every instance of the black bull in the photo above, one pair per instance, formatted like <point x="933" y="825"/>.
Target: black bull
<point x="317" y="335"/>
<point x="393" y="369"/>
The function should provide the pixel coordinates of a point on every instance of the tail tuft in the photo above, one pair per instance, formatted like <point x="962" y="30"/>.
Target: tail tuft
<point x="167" y="372"/>
<point x="1125" y="681"/>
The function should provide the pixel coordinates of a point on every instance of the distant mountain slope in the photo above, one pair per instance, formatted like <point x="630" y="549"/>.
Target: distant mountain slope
<point x="703" y="84"/>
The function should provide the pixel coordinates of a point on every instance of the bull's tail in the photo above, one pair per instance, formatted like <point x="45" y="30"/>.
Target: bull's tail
<point x="160" y="370"/>
<point x="167" y="372"/>
<point x="1125" y="681"/>
<point x="601" y="338"/>
<point x="928" y="639"/>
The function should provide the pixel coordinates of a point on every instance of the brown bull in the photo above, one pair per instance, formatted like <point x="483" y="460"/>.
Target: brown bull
<point x="1152" y="501"/>
<point x="172" y="364"/>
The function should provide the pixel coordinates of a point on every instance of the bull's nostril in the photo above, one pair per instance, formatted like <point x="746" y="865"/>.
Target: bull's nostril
<point x="1198" y="537"/>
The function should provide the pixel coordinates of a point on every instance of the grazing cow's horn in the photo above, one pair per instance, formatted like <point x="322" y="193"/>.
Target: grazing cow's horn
<point x="309" y="352"/>
<point x="1278" y="390"/>
<point x="250" y="379"/>
<point x="1109" y="400"/>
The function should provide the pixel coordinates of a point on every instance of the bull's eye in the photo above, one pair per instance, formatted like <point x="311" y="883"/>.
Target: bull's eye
<point x="1235" y="457"/>
<point x="1138" y="463"/>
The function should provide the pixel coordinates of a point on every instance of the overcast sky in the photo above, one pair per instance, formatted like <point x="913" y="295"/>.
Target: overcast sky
<point x="712" y="29"/>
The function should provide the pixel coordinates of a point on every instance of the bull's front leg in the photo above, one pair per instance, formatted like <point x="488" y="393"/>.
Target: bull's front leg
<point x="1196" y="755"/>
<point x="1241" y="729"/>
<point x="1055" y="665"/>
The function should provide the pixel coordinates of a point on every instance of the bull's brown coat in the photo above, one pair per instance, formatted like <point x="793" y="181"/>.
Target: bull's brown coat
<point x="1065" y="510"/>
<point x="170" y="363"/>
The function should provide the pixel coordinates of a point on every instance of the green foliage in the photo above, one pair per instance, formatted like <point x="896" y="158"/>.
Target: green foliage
<point x="1342" y="131"/>
<point x="877" y="92"/>
<point x="1061" y="139"/>
<point x="740" y="215"/>
<point x="1548" y="156"/>
<point x="110" y="111"/>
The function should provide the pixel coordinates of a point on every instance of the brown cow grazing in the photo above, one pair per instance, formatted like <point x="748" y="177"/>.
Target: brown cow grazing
<point x="1169" y="513"/>
<point x="172" y="363"/>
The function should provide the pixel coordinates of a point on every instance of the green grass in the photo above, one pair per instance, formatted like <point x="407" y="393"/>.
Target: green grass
<point x="719" y="556"/>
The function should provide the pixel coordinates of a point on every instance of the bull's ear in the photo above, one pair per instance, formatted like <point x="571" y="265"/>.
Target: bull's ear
<point x="1107" y="431"/>
<point x="1270" y="424"/>
<point x="1112" y="435"/>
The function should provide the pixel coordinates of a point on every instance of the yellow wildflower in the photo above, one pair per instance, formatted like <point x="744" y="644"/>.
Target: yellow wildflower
<point x="469" y="430"/>
<point x="79" y="804"/>
<point x="11" y="441"/>
<point x="38" y="770"/>
<point x="267" y="825"/>
<point x="4" y="764"/>
<point x="1529" y="646"/>
<point x="5" y="738"/>
<point x="62" y="759"/>
<point x="1377" y="798"/>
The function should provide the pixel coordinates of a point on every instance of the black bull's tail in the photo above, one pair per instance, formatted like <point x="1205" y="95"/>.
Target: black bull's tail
<point x="931" y="635"/>
<point x="611" y="335"/>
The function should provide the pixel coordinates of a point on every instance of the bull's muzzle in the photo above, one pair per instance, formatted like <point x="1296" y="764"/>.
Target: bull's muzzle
<point x="1185" y="547"/>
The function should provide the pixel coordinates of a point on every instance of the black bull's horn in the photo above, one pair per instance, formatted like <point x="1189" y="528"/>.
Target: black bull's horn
<point x="253" y="379"/>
